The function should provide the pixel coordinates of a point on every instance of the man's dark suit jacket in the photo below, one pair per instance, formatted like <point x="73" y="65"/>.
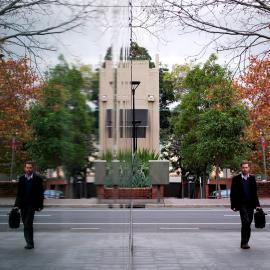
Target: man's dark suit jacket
<point x="237" y="192"/>
<point x="36" y="194"/>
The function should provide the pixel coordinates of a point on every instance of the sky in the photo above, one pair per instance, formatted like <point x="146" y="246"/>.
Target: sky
<point x="88" y="45"/>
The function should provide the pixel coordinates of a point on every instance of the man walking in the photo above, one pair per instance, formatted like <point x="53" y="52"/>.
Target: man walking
<point x="29" y="199"/>
<point x="244" y="199"/>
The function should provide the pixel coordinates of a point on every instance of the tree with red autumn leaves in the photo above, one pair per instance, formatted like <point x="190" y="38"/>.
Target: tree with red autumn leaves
<point x="253" y="88"/>
<point x="19" y="87"/>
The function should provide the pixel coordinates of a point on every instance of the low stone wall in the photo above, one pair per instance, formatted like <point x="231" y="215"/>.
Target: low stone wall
<point x="127" y="193"/>
<point x="263" y="189"/>
<point x="8" y="189"/>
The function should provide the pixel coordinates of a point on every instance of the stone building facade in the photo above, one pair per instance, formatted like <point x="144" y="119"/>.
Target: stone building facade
<point x="115" y="106"/>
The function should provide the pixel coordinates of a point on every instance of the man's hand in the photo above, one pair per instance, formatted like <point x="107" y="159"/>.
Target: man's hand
<point x="39" y="209"/>
<point x="17" y="208"/>
<point x="234" y="209"/>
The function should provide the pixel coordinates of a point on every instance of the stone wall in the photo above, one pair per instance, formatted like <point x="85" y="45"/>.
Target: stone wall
<point x="263" y="189"/>
<point x="8" y="189"/>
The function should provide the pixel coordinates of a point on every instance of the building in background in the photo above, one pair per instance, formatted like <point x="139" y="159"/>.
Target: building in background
<point x="115" y="106"/>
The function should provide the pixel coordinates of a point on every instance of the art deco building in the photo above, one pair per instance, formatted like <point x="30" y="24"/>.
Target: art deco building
<point x="115" y="105"/>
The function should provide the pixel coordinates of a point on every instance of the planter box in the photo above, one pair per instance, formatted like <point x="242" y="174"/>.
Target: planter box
<point x="126" y="193"/>
<point x="8" y="189"/>
<point x="263" y="189"/>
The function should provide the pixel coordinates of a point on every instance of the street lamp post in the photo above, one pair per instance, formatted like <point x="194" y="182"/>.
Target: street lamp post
<point x="134" y="85"/>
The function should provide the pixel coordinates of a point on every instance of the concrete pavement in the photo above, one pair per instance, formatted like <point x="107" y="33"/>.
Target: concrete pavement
<point x="62" y="250"/>
<point x="203" y="250"/>
<point x="152" y="251"/>
<point x="117" y="203"/>
<point x="173" y="246"/>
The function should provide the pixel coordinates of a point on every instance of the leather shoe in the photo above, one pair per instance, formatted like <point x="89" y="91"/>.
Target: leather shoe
<point x="245" y="246"/>
<point x="29" y="246"/>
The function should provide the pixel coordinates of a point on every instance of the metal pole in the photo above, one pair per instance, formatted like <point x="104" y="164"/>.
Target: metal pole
<point x="13" y="147"/>
<point x="85" y="188"/>
<point x="200" y="179"/>
<point x="131" y="77"/>
<point x="226" y="182"/>
<point x="130" y="264"/>
<point x="203" y="184"/>
<point x="264" y="157"/>
<point x="218" y="192"/>
<point x="114" y="131"/>
<point x="133" y="121"/>
<point x="264" y="165"/>
<point x="158" y="193"/>
<point x="182" y="191"/>
<point x="81" y="189"/>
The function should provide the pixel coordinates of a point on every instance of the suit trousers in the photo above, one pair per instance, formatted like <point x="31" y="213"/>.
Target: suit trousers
<point x="246" y="215"/>
<point x="28" y="214"/>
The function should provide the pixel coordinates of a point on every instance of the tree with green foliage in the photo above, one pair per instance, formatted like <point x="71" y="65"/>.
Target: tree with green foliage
<point x="91" y="90"/>
<point x="140" y="53"/>
<point x="61" y="122"/>
<point x="136" y="53"/>
<point x="171" y="88"/>
<point x="221" y="127"/>
<point x="166" y="97"/>
<point x="50" y="123"/>
<point x="209" y="122"/>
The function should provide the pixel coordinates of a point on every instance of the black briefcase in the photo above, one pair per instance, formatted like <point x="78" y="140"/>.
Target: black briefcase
<point x="259" y="219"/>
<point x="14" y="218"/>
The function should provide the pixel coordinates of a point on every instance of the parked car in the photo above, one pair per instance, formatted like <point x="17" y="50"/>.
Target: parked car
<point x="224" y="193"/>
<point x="53" y="194"/>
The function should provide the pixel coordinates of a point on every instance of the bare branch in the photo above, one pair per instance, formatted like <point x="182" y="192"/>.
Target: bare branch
<point x="238" y="26"/>
<point x="24" y="22"/>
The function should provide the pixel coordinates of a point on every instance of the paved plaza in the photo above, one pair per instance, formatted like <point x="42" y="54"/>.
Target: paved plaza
<point x="156" y="251"/>
<point x="87" y="237"/>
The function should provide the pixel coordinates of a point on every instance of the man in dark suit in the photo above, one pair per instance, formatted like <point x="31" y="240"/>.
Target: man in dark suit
<point x="244" y="199"/>
<point x="29" y="199"/>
